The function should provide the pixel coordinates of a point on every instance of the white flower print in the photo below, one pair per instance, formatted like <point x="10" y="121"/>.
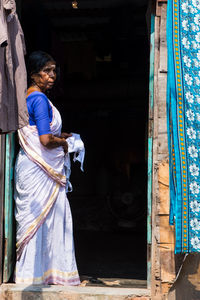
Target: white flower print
<point x="198" y="55"/>
<point x="190" y="115"/>
<point x="194" y="188"/>
<point x="196" y="3"/>
<point x="197" y="79"/>
<point x="195" y="207"/>
<point x="194" y="170"/>
<point x="185" y="25"/>
<point x="185" y="7"/>
<point x="186" y="43"/>
<point x="195" y="224"/>
<point x="191" y="133"/>
<point x="195" y="242"/>
<point x="197" y="20"/>
<point x="188" y="79"/>
<point x="193" y="153"/>
<point x="196" y="63"/>
<point x="187" y="61"/>
<point x="194" y="44"/>
<point x="197" y="37"/>
<point x="198" y="117"/>
<point x="198" y="99"/>
<point x="192" y="9"/>
<point x="194" y="27"/>
<point x="189" y="97"/>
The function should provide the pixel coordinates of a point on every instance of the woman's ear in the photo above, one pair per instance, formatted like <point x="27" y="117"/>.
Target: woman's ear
<point x="34" y="77"/>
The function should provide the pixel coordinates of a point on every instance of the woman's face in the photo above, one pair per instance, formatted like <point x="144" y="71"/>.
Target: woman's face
<point x="46" y="77"/>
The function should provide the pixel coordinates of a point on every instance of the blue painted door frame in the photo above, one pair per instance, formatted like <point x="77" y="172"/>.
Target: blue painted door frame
<point x="2" y="190"/>
<point x="9" y="234"/>
<point x="150" y="149"/>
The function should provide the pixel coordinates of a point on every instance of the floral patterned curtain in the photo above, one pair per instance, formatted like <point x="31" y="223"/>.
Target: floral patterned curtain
<point x="183" y="112"/>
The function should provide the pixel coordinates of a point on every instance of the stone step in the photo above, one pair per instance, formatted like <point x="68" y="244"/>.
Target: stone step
<point x="55" y="292"/>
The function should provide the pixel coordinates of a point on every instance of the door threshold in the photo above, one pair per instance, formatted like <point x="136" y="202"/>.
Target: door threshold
<point x="44" y="292"/>
<point x="113" y="282"/>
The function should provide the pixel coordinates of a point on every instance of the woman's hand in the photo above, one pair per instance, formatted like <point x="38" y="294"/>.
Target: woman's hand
<point x="65" y="135"/>
<point x="50" y="141"/>
<point x="65" y="146"/>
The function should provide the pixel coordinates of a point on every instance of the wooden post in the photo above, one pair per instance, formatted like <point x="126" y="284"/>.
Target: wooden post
<point x="163" y="260"/>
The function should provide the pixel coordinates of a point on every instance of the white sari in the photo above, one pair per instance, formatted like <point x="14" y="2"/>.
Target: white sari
<point x="45" y="249"/>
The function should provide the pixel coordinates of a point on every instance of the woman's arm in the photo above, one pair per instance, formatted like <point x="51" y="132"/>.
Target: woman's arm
<point x="50" y="141"/>
<point x="40" y="112"/>
<point x="39" y="109"/>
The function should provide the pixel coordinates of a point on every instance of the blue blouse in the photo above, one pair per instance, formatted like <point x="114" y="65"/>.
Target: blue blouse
<point x="40" y="112"/>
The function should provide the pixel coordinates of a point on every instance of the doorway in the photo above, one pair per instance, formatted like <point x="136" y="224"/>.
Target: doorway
<point x="103" y="52"/>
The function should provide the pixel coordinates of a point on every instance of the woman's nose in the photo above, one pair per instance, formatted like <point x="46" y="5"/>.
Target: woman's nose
<point x="52" y="73"/>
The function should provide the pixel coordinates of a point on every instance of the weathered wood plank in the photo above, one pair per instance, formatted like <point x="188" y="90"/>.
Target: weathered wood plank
<point x="163" y="156"/>
<point x="166" y="231"/>
<point x="163" y="179"/>
<point x="162" y="126"/>
<point x="162" y="88"/>
<point x="168" y="264"/>
<point x="163" y="39"/>
<point x="162" y="144"/>
<point x="156" y="284"/>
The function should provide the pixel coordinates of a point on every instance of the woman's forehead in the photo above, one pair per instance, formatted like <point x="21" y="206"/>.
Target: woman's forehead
<point x="50" y="64"/>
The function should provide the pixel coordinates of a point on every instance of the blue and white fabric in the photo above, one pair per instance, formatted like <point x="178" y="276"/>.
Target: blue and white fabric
<point x="183" y="112"/>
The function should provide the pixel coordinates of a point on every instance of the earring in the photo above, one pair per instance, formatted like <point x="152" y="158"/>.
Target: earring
<point x="74" y="4"/>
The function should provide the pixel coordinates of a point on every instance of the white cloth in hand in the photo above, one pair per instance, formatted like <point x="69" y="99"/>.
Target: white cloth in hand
<point x="76" y="146"/>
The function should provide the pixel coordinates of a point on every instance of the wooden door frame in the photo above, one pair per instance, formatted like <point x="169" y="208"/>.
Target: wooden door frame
<point x="150" y="149"/>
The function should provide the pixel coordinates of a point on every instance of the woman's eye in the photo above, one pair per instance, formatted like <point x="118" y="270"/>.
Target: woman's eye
<point x="49" y="71"/>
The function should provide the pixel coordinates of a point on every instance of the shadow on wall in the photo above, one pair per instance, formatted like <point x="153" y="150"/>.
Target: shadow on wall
<point x="187" y="286"/>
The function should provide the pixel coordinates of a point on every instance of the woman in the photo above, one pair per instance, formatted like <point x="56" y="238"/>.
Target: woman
<point x="45" y="250"/>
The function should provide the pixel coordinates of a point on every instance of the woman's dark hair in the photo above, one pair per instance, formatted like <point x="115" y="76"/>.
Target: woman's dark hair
<point x="36" y="61"/>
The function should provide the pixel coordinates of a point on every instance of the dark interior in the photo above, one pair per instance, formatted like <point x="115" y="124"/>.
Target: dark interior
<point x="103" y="52"/>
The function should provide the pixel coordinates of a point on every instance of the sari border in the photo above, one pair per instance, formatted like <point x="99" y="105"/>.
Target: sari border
<point x="179" y="185"/>
<point x="53" y="276"/>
